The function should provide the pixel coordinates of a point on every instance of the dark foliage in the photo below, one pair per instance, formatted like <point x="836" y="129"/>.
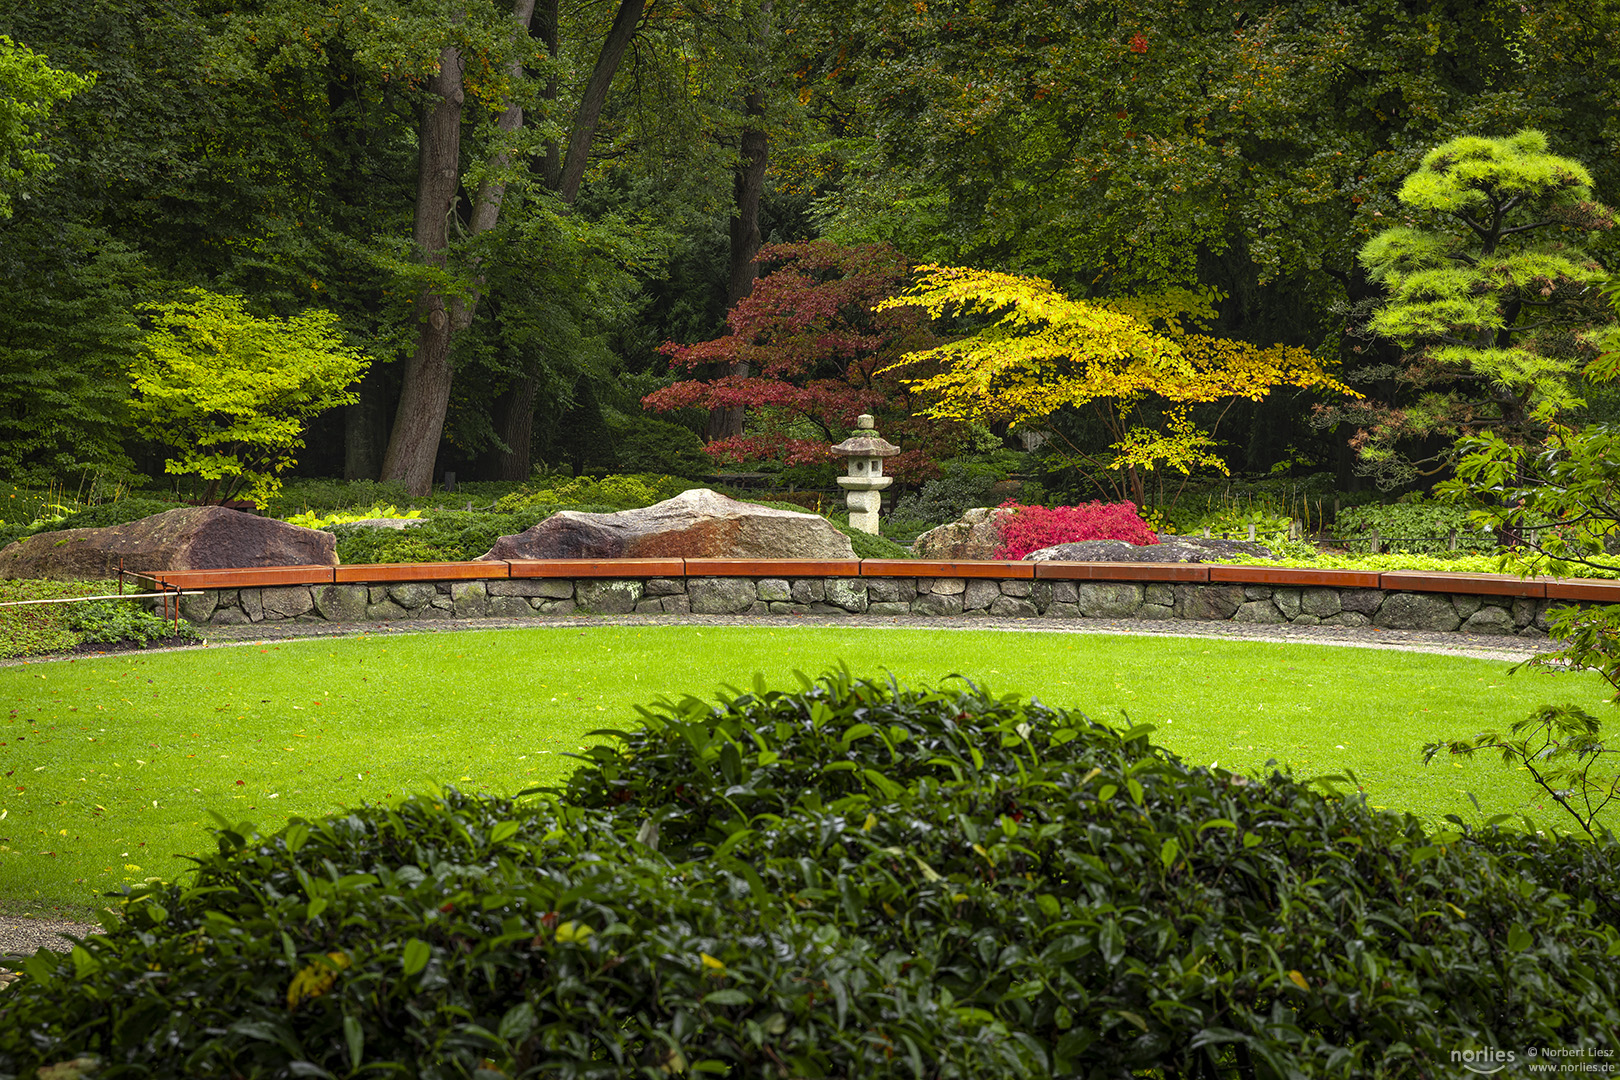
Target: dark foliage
<point x="854" y="879"/>
<point x="642" y="444"/>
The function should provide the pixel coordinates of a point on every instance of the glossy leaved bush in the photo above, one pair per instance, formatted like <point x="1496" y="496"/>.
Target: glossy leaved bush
<point x="848" y="879"/>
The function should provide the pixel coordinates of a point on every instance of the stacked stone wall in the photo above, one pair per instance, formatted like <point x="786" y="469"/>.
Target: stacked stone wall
<point x="942" y="597"/>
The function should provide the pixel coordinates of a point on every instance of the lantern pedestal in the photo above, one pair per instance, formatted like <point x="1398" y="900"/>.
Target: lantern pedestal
<point x="863" y="504"/>
<point x="865" y="449"/>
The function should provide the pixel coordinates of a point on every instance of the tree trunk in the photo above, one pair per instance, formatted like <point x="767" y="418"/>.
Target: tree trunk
<point x="425" y="395"/>
<point x="545" y="24"/>
<point x="625" y="21"/>
<point x="747" y="188"/>
<point x="514" y="423"/>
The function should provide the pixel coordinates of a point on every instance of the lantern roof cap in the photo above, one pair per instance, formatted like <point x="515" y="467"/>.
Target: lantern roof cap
<point x="864" y="441"/>
<point x="866" y="446"/>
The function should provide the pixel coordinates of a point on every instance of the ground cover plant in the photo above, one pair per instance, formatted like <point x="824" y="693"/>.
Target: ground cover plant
<point x="111" y="766"/>
<point x="850" y="879"/>
<point x="29" y="628"/>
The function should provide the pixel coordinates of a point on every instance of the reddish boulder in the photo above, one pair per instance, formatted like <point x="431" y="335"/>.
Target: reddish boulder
<point x="697" y="524"/>
<point x="192" y="538"/>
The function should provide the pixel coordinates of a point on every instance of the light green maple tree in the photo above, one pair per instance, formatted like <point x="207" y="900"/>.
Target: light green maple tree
<point x="230" y="392"/>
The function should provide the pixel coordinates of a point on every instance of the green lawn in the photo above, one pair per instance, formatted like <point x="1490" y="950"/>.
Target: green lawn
<point x="112" y="764"/>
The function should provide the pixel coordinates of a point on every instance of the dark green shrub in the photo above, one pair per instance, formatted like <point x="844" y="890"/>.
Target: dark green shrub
<point x="944" y="500"/>
<point x="642" y="444"/>
<point x="1118" y="908"/>
<point x="853" y="879"/>
<point x="454" y="937"/>
<point x="868" y="546"/>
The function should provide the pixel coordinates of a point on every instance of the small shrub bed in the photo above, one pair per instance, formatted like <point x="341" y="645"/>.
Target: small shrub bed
<point x="124" y="622"/>
<point x="35" y="629"/>
<point x="853" y="879"/>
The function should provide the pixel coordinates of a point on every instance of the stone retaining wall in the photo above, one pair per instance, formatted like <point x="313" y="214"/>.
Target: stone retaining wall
<point x="873" y="596"/>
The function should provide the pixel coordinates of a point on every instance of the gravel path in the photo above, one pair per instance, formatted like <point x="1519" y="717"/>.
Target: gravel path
<point x="20" y="936"/>
<point x="1452" y="644"/>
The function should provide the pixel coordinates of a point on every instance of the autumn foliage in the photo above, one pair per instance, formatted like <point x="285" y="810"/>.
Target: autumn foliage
<point x="814" y="350"/>
<point x="1030" y="528"/>
<point x="1135" y="361"/>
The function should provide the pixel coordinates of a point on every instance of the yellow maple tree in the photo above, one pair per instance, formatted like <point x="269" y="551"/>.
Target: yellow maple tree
<point x="1042" y="351"/>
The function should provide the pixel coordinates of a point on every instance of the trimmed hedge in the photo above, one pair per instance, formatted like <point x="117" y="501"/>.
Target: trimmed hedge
<point x="852" y="879"/>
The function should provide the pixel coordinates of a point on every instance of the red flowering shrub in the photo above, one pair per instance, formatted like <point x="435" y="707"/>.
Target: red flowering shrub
<point x="1029" y="528"/>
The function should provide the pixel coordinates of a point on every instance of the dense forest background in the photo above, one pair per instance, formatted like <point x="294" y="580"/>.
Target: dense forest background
<point x="514" y="210"/>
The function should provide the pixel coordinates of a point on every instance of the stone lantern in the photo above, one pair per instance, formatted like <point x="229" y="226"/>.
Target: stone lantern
<point x="865" y="481"/>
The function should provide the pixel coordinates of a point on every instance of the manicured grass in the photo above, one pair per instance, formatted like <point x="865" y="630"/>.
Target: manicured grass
<point x="111" y="765"/>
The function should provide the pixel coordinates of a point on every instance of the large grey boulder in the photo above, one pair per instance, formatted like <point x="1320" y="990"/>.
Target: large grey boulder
<point x="191" y="538"/>
<point x="972" y="536"/>
<point x="1188" y="549"/>
<point x="697" y="524"/>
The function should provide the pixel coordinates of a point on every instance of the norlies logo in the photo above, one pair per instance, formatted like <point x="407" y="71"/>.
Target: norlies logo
<point x="1484" y="1062"/>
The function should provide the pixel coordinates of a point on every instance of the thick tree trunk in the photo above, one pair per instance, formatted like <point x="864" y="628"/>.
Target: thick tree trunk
<point x="425" y="394"/>
<point x="748" y="185"/>
<point x="747" y="189"/>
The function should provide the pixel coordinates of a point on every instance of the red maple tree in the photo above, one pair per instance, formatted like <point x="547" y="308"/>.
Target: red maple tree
<point x="811" y="342"/>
